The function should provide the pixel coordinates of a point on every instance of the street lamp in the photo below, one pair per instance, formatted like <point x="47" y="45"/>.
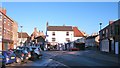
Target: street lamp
<point x="100" y="25"/>
<point x="21" y="34"/>
<point x="100" y="36"/>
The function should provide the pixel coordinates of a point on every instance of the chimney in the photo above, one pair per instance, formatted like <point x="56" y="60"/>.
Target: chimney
<point x="35" y="29"/>
<point x="3" y="10"/>
<point x="110" y="22"/>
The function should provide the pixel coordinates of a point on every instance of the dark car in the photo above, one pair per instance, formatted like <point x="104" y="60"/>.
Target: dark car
<point x="10" y="57"/>
<point x="2" y="60"/>
<point x="21" y="55"/>
<point x="36" y="53"/>
<point x="27" y="51"/>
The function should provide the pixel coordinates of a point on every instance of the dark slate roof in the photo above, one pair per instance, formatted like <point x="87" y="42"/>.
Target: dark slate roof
<point x="59" y="28"/>
<point x="90" y="37"/>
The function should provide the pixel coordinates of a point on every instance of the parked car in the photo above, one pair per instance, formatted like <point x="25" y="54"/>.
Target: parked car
<point x="28" y="51"/>
<point x="74" y="49"/>
<point x="2" y="60"/>
<point x="10" y="57"/>
<point x="36" y="53"/>
<point x="20" y="55"/>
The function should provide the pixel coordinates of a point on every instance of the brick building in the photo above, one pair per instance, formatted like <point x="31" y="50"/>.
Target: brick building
<point x="110" y="37"/>
<point x="37" y="37"/>
<point x="8" y="31"/>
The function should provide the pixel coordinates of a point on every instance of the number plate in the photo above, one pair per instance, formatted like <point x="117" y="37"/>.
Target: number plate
<point x="12" y="57"/>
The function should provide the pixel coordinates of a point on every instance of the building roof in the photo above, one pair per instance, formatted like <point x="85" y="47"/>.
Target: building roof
<point x="77" y="32"/>
<point x="59" y="28"/>
<point x="110" y="23"/>
<point x="24" y="35"/>
<point x="3" y="13"/>
<point x="90" y="37"/>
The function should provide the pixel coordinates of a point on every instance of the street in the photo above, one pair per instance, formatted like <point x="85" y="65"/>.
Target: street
<point x="70" y="59"/>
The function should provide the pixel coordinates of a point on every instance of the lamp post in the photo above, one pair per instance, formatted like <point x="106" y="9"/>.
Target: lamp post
<point x="21" y="35"/>
<point x="100" y="37"/>
<point x="100" y="25"/>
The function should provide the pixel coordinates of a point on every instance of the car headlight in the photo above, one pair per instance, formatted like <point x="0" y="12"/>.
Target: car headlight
<point x="7" y="59"/>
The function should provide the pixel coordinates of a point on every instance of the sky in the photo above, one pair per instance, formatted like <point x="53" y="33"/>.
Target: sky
<point x="85" y="15"/>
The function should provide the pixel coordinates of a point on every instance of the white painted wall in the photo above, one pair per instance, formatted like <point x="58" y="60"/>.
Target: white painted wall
<point x="19" y="40"/>
<point x="60" y="36"/>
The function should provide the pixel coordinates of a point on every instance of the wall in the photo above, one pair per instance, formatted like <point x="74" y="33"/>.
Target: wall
<point x="105" y="45"/>
<point x="15" y="34"/>
<point x="19" y="40"/>
<point x="90" y="42"/>
<point x="81" y="39"/>
<point x="60" y="36"/>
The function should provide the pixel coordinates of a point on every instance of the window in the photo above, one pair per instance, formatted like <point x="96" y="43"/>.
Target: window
<point x="8" y="23"/>
<point x="53" y="39"/>
<point x="53" y="33"/>
<point x="67" y="39"/>
<point x="116" y="29"/>
<point x="0" y="29"/>
<point x="4" y="20"/>
<point x="0" y="16"/>
<point x="67" y="33"/>
<point x="106" y="32"/>
<point x="4" y="31"/>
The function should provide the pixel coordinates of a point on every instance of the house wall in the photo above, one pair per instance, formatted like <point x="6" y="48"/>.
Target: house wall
<point x="6" y="30"/>
<point x="19" y="40"/>
<point x="105" y="45"/>
<point x="60" y="36"/>
<point x="15" y="34"/>
<point x="112" y="33"/>
<point x="0" y="31"/>
<point x="90" y="42"/>
<point x="81" y="39"/>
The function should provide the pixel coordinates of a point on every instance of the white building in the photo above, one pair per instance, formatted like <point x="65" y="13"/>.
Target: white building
<point x="58" y="36"/>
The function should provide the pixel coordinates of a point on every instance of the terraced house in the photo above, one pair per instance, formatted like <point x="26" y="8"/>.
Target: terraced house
<point x="8" y="31"/>
<point x="110" y="37"/>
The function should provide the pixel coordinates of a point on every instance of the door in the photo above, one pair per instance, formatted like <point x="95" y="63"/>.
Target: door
<point x="116" y="48"/>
